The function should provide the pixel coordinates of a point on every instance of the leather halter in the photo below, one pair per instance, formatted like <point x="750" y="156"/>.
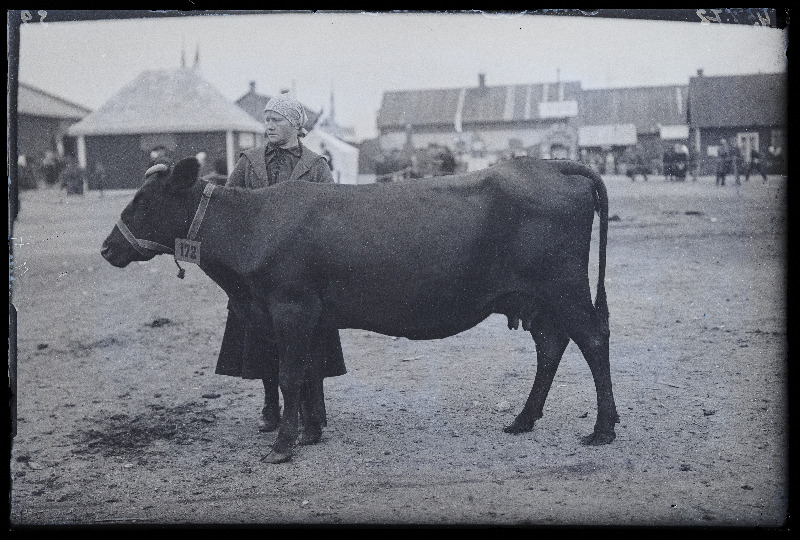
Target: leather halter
<point x="148" y="247"/>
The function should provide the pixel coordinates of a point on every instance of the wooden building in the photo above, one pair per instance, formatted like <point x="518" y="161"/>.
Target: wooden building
<point x="749" y="110"/>
<point x="648" y="118"/>
<point x="484" y="124"/>
<point x="42" y="123"/>
<point x="173" y="109"/>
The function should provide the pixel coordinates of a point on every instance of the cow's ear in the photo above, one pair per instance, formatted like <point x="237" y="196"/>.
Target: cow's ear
<point x="184" y="173"/>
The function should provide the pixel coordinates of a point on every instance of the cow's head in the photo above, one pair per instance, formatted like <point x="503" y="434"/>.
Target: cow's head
<point x="159" y="213"/>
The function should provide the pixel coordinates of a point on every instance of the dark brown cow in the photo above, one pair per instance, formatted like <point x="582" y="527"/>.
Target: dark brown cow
<point x="422" y="260"/>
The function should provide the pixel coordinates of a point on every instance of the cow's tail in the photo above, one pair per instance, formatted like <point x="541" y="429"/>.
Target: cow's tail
<point x="601" y="207"/>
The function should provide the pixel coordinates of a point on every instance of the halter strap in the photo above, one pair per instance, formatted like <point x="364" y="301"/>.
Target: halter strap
<point x="143" y="246"/>
<point x="201" y="211"/>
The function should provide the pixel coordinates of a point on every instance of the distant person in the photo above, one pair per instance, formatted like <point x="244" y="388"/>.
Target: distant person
<point x="448" y="164"/>
<point x="161" y="155"/>
<point x="72" y="177"/>
<point x="724" y="163"/>
<point x="25" y="177"/>
<point x="774" y="160"/>
<point x="205" y="166"/>
<point x="636" y="165"/>
<point x="50" y="168"/>
<point x="668" y="160"/>
<point x="611" y="166"/>
<point x="737" y="161"/>
<point x="680" y="161"/>
<point x="100" y="177"/>
<point x="756" y="164"/>
<point x="219" y="175"/>
<point x="692" y="163"/>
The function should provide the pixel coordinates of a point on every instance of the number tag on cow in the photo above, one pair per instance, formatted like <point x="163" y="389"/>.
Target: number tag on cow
<point x="187" y="250"/>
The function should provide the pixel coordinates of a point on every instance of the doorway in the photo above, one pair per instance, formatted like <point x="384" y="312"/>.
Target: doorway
<point x="747" y="142"/>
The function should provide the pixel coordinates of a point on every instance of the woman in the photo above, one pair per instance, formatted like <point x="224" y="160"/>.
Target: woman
<point x="248" y="346"/>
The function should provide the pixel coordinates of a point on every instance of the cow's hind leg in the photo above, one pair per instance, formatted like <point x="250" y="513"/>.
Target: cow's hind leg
<point x="295" y="321"/>
<point x="589" y="330"/>
<point x="550" y="345"/>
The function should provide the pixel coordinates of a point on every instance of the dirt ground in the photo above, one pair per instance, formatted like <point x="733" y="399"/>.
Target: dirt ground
<point x="122" y="421"/>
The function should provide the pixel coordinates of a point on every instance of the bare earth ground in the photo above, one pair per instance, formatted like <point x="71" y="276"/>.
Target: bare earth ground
<point x="123" y="421"/>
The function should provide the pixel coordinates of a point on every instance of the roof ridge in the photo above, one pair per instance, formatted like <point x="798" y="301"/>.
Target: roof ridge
<point x="487" y="87"/>
<point x="53" y="96"/>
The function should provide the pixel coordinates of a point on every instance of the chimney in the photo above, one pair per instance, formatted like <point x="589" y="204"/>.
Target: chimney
<point x="252" y="87"/>
<point x="481" y="80"/>
<point x="699" y="72"/>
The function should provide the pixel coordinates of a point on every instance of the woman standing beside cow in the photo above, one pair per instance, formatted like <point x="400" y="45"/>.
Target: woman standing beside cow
<point x="248" y="347"/>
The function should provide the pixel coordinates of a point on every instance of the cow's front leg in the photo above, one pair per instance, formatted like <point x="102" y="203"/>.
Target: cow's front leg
<point x="312" y="412"/>
<point x="295" y="321"/>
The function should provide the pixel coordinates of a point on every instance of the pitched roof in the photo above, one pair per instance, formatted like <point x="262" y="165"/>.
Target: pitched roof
<point x="481" y="104"/>
<point x="646" y="107"/>
<point x="738" y="100"/>
<point x="253" y="104"/>
<point x="166" y="101"/>
<point x="35" y="102"/>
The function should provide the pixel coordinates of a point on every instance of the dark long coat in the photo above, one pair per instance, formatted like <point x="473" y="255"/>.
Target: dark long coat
<point x="248" y="348"/>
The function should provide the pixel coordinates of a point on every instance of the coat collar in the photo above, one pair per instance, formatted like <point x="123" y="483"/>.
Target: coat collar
<point x="257" y="157"/>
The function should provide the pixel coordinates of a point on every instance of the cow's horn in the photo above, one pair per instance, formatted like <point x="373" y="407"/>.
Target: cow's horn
<point x="157" y="168"/>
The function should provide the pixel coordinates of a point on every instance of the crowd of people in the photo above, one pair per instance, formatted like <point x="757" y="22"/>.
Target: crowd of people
<point x="678" y="162"/>
<point x="433" y="160"/>
<point x="731" y="161"/>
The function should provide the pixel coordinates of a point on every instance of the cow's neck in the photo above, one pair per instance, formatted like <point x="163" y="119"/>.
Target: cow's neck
<point x="233" y="233"/>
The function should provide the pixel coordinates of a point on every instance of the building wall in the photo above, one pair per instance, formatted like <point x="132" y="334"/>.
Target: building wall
<point x="127" y="157"/>
<point x="213" y="144"/>
<point x="493" y="140"/>
<point x="37" y="135"/>
<point x="711" y="137"/>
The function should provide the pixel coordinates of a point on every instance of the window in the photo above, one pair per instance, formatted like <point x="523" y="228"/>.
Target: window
<point x="747" y="142"/>
<point x="777" y="138"/>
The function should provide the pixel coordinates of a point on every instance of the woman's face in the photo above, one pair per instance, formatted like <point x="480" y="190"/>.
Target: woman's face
<point x="279" y="131"/>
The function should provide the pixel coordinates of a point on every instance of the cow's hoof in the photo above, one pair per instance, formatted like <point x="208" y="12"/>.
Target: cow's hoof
<point x="310" y="435"/>
<point x="277" y="457"/>
<point x="598" y="438"/>
<point x="518" y="427"/>
<point x="270" y="419"/>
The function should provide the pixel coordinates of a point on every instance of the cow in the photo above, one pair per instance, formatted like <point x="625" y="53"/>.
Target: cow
<point x="421" y="260"/>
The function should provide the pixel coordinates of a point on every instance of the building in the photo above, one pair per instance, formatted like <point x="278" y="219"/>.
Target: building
<point x="329" y="125"/>
<point x="254" y="103"/>
<point x="750" y="110"/>
<point x="342" y="156"/>
<point x="613" y="120"/>
<point x="42" y="123"/>
<point x="484" y="124"/>
<point x="172" y="109"/>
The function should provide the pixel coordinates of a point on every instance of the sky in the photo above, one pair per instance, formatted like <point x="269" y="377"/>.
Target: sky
<point x="359" y="56"/>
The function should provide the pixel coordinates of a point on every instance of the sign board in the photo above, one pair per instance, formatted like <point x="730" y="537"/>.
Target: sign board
<point x="558" y="109"/>
<point x="187" y="250"/>
<point x="607" y="135"/>
<point x="676" y="132"/>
